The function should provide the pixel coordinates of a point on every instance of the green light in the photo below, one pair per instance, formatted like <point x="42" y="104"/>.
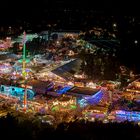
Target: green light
<point x="21" y="60"/>
<point x="55" y="108"/>
<point x="73" y="107"/>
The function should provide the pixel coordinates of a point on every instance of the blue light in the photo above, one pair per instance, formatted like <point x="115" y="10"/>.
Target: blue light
<point x="82" y="102"/>
<point x="95" y="98"/>
<point x="16" y="91"/>
<point x="50" y="86"/>
<point x="135" y="116"/>
<point x="64" y="90"/>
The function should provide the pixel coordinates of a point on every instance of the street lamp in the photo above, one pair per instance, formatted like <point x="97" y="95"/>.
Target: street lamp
<point x="136" y="42"/>
<point x="114" y="25"/>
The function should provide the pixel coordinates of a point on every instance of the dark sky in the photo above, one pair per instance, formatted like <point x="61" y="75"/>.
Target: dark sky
<point x="12" y="10"/>
<point x="20" y="6"/>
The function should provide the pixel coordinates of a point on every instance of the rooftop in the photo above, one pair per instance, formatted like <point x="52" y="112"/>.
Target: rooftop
<point x="63" y="99"/>
<point x="79" y="91"/>
<point x="39" y="84"/>
<point x="68" y="70"/>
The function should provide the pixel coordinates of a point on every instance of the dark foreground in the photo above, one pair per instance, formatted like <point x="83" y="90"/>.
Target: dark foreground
<point x="13" y="128"/>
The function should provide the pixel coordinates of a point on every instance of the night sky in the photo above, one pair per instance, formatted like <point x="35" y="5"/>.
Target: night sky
<point x="23" y="7"/>
<point x="12" y="10"/>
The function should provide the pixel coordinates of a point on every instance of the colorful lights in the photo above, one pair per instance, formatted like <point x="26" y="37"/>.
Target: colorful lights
<point x="5" y="68"/>
<point x="82" y="102"/>
<point x="95" y="98"/>
<point x="64" y="103"/>
<point x="130" y="116"/>
<point x="91" y="85"/>
<point x="16" y="91"/>
<point x="21" y="60"/>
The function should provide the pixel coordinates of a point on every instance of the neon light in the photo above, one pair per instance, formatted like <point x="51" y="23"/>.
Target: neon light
<point x="82" y="102"/>
<point x="95" y="98"/>
<point x="130" y="116"/>
<point x="64" y="90"/>
<point x="16" y="91"/>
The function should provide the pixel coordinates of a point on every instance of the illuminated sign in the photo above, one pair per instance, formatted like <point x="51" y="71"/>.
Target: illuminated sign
<point x="27" y="86"/>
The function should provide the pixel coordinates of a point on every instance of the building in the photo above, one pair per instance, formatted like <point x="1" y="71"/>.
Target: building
<point x="68" y="70"/>
<point x="86" y="95"/>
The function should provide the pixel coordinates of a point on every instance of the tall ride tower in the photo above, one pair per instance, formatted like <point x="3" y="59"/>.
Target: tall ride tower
<point x="24" y="70"/>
